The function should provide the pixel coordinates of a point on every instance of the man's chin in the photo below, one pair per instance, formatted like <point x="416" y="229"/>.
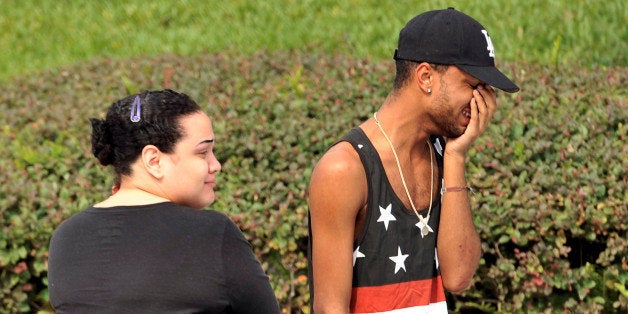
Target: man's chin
<point x="454" y="135"/>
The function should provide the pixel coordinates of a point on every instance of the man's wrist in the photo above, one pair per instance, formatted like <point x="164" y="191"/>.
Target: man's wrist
<point x="465" y="188"/>
<point x="454" y="158"/>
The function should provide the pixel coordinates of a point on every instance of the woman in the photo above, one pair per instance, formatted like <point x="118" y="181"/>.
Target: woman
<point x="148" y="248"/>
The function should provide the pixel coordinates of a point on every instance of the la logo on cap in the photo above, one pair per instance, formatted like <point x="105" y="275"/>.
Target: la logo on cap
<point x="489" y="44"/>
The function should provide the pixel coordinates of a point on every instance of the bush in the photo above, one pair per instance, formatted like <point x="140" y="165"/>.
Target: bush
<point x="551" y="169"/>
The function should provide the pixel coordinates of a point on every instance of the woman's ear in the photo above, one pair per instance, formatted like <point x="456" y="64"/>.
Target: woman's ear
<point x="152" y="161"/>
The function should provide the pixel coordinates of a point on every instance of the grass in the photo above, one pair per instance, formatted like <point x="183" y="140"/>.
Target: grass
<point x="47" y="34"/>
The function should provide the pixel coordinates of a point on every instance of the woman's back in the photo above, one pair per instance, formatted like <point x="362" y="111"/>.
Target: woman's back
<point x="154" y="258"/>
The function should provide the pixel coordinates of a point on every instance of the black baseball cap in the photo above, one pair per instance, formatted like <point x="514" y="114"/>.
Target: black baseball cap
<point x="452" y="37"/>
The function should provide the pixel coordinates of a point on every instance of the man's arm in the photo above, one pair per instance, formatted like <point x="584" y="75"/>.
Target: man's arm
<point x="337" y="192"/>
<point x="459" y="246"/>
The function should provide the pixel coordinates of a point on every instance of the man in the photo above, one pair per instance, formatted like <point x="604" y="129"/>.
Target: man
<point x="390" y="219"/>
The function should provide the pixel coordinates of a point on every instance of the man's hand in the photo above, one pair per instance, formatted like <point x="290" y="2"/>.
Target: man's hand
<point x="483" y="106"/>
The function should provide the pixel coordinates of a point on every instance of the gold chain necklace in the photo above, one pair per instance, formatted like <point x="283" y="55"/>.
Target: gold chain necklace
<point x="425" y="228"/>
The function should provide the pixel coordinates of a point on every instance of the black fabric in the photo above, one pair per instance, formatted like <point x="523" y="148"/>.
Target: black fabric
<point x="379" y="243"/>
<point x="159" y="258"/>
<point x="423" y="263"/>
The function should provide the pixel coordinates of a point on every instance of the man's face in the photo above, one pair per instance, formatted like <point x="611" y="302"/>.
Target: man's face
<point x="451" y="110"/>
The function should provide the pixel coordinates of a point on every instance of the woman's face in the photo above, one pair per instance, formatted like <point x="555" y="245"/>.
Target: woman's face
<point x="192" y="167"/>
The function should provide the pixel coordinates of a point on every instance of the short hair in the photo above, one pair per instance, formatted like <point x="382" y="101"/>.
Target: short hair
<point x="404" y="69"/>
<point x="118" y="141"/>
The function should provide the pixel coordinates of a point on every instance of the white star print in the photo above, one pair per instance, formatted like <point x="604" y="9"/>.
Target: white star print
<point x="386" y="215"/>
<point x="435" y="257"/>
<point x="399" y="260"/>
<point x="439" y="147"/>
<point x="420" y="225"/>
<point x="360" y="146"/>
<point x="357" y="254"/>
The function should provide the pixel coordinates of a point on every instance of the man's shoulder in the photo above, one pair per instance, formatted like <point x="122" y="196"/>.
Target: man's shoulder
<point x="341" y="158"/>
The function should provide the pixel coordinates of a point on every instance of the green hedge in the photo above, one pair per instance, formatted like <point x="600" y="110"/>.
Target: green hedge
<point x="551" y="170"/>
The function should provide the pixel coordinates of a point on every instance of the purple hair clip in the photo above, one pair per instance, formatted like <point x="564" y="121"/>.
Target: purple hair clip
<point x="136" y="109"/>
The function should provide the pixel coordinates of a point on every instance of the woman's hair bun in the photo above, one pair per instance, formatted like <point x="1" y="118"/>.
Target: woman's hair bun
<point x="101" y="142"/>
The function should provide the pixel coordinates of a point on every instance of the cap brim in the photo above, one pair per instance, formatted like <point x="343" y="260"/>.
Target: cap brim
<point x="492" y="76"/>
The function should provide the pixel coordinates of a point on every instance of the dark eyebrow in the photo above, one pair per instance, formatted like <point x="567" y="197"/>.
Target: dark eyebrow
<point x="206" y="141"/>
